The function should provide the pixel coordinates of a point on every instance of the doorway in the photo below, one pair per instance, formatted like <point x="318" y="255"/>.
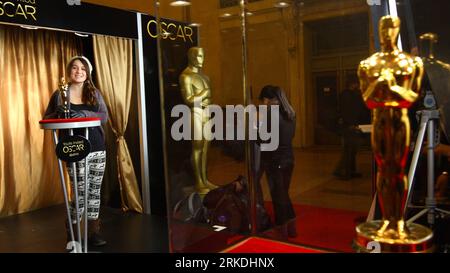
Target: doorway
<point x="337" y="47"/>
<point x="326" y="87"/>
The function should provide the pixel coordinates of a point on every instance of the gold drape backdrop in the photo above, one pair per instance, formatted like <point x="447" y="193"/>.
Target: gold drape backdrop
<point x="114" y="65"/>
<point x="31" y="63"/>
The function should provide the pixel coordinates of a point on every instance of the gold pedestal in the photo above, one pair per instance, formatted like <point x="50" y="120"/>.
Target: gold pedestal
<point x="419" y="239"/>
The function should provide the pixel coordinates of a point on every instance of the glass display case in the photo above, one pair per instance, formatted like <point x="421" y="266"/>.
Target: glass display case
<point x="319" y="182"/>
<point x="315" y="188"/>
<point x="199" y="76"/>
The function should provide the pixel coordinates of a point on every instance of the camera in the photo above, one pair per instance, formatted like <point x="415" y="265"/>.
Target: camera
<point x="429" y="102"/>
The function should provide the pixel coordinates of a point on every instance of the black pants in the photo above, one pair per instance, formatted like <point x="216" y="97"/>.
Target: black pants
<point x="350" y="145"/>
<point x="279" y="180"/>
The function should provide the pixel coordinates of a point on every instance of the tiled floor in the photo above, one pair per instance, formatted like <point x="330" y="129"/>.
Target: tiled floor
<point x="312" y="181"/>
<point x="313" y="184"/>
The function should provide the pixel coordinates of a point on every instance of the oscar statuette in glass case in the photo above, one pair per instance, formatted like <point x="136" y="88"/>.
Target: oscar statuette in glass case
<point x="390" y="82"/>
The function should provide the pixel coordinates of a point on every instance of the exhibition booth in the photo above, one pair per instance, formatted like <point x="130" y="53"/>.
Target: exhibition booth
<point x="194" y="159"/>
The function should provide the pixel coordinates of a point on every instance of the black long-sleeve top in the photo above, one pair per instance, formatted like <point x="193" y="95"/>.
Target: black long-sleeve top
<point x="96" y="134"/>
<point x="284" y="154"/>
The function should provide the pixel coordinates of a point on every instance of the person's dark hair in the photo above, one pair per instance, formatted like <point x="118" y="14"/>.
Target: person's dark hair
<point x="275" y="92"/>
<point x="89" y="88"/>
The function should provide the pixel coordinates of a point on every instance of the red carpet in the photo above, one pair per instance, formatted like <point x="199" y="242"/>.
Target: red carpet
<point x="332" y="229"/>
<point x="260" y="245"/>
<point x="319" y="228"/>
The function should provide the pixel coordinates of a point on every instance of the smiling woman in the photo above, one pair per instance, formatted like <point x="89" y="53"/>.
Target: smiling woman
<point x="85" y="100"/>
<point x="11" y="9"/>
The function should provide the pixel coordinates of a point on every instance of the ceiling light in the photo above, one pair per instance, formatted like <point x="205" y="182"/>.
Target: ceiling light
<point x="281" y="4"/>
<point x="225" y="15"/>
<point x="180" y="3"/>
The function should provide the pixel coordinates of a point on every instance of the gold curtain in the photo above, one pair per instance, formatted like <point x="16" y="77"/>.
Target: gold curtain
<point x="31" y="63"/>
<point x="114" y="65"/>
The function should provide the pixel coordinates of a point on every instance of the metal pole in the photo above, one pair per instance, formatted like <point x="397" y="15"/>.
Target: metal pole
<point x="143" y="121"/>
<point x="77" y="205"/>
<point x="63" y="185"/>
<point x="247" y="101"/>
<point x="417" y="150"/>
<point x="86" y="195"/>
<point x="430" y="202"/>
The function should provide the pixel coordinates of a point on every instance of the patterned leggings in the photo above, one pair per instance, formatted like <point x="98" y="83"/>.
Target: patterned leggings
<point x="97" y="163"/>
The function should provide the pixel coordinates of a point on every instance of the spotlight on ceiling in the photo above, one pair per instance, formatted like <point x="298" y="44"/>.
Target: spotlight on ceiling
<point x="281" y="4"/>
<point x="225" y="15"/>
<point x="180" y="3"/>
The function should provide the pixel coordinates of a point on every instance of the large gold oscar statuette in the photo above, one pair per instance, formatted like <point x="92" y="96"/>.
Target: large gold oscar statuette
<point x="390" y="82"/>
<point x="196" y="92"/>
<point x="64" y="93"/>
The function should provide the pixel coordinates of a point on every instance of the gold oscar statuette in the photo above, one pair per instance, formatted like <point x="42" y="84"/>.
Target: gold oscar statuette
<point x="390" y="82"/>
<point x="64" y="93"/>
<point x="196" y="92"/>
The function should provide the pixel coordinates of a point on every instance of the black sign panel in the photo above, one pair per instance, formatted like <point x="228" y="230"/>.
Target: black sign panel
<point x="176" y="40"/>
<point x="73" y="148"/>
<point x="70" y="15"/>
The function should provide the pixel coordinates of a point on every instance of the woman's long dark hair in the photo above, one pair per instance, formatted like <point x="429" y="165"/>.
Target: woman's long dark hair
<point x="275" y="92"/>
<point x="89" y="88"/>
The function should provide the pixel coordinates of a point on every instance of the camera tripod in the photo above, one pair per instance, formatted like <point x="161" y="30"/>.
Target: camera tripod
<point x="428" y="121"/>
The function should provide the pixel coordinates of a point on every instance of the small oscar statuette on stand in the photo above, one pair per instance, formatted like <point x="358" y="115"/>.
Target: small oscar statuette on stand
<point x="64" y="93"/>
<point x="390" y="81"/>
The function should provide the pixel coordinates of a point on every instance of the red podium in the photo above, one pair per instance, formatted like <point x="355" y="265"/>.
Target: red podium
<point x="70" y="125"/>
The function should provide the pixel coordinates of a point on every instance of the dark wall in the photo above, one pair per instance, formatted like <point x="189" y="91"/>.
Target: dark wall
<point x="174" y="60"/>
<point x="433" y="16"/>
